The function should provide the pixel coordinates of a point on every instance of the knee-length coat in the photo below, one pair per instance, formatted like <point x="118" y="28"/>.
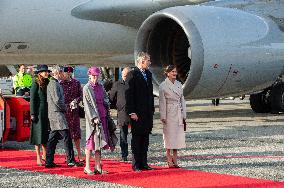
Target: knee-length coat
<point x="72" y="90"/>
<point x="38" y="108"/>
<point x="140" y="100"/>
<point x="56" y="106"/>
<point x="173" y="110"/>
<point x="92" y="112"/>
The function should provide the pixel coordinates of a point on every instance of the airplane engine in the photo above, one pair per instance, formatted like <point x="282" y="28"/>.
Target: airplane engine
<point x="218" y="51"/>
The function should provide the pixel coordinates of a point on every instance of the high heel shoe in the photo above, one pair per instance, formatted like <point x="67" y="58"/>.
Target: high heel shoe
<point x="100" y="170"/>
<point x="81" y="160"/>
<point x="43" y="159"/>
<point x="175" y="165"/>
<point x="88" y="171"/>
<point x="170" y="164"/>
<point x="96" y="171"/>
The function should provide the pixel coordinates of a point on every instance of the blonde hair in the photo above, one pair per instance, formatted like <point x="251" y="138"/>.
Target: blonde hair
<point x="141" y="56"/>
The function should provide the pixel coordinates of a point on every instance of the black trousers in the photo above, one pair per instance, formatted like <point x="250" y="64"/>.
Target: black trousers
<point x="123" y="140"/>
<point x="139" y="147"/>
<point x="54" y="137"/>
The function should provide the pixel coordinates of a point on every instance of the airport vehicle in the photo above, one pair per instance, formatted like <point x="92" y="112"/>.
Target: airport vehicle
<point x="14" y="114"/>
<point x="221" y="48"/>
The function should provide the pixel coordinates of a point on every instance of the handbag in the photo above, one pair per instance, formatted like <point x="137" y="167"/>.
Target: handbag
<point x="112" y="136"/>
<point x="81" y="112"/>
<point x="111" y="125"/>
<point x="184" y="125"/>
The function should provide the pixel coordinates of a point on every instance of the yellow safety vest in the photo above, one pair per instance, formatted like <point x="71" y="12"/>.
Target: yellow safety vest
<point x="22" y="80"/>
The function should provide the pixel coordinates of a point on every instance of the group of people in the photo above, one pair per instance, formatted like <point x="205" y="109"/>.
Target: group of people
<point x="54" y="109"/>
<point x="54" y="100"/>
<point x="54" y="112"/>
<point x="135" y="108"/>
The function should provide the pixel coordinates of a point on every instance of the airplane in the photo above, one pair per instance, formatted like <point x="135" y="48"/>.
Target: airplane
<point x="221" y="48"/>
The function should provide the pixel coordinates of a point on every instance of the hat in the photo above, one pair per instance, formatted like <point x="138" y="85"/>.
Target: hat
<point x="95" y="71"/>
<point x="42" y="68"/>
<point x="68" y="69"/>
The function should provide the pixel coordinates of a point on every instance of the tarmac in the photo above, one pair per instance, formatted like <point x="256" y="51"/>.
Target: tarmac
<point x="225" y="139"/>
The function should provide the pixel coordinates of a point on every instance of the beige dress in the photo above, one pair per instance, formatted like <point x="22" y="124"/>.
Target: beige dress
<point x="173" y="110"/>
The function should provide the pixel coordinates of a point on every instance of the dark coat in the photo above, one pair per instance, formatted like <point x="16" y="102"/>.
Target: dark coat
<point x="38" y="108"/>
<point x="140" y="100"/>
<point x="117" y="96"/>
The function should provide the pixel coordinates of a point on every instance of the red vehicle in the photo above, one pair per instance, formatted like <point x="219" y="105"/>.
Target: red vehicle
<point x="14" y="119"/>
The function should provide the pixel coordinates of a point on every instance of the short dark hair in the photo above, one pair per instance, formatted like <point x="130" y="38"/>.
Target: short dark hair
<point x="21" y="65"/>
<point x="168" y="69"/>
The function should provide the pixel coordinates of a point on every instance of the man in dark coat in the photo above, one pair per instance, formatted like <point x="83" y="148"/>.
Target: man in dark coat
<point x="140" y="107"/>
<point x="117" y="96"/>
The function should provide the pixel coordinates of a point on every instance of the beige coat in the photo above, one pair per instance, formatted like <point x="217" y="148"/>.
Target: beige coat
<point x="173" y="110"/>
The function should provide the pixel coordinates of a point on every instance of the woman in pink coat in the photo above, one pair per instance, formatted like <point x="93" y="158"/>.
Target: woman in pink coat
<point x="172" y="115"/>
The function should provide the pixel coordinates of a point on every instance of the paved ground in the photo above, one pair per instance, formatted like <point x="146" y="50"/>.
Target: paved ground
<point x="228" y="139"/>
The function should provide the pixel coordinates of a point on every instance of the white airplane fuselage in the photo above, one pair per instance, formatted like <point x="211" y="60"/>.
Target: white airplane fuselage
<point x="220" y="48"/>
<point x="45" y="32"/>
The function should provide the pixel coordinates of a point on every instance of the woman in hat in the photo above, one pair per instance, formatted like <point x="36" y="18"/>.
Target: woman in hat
<point x="96" y="105"/>
<point x="72" y="95"/>
<point x="38" y="112"/>
<point x="172" y="114"/>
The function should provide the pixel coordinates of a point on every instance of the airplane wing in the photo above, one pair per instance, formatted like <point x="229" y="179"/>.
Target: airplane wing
<point x="128" y="12"/>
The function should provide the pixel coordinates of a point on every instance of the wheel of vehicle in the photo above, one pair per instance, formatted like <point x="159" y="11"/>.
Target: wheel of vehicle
<point x="259" y="102"/>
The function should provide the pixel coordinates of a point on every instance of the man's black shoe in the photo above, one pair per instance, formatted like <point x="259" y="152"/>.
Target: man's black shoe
<point x="71" y="164"/>
<point x="147" y="167"/>
<point x="52" y="165"/>
<point x="136" y="169"/>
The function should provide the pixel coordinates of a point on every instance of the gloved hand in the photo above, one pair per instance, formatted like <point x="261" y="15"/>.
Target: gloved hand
<point x="34" y="118"/>
<point x="96" y="121"/>
<point x="73" y="105"/>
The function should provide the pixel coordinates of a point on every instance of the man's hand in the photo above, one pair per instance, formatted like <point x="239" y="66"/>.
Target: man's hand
<point x="134" y="117"/>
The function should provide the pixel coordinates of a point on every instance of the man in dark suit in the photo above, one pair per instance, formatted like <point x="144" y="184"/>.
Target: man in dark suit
<point x="117" y="96"/>
<point x="140" y="107"/>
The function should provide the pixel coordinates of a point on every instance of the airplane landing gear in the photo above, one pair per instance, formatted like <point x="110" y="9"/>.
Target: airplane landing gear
<point x="269" y="100"/>
<point x="259" y="102"/>
<point x="277" y="98"/>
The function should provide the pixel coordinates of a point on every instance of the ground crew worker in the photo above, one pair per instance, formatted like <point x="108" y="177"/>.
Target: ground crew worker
<point x="22" y="82"/>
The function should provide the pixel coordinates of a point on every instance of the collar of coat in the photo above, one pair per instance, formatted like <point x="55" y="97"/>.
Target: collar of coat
<point x="52" y="78"/>
<point x="174" y="87"/>
<point x="147" y="72"/>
